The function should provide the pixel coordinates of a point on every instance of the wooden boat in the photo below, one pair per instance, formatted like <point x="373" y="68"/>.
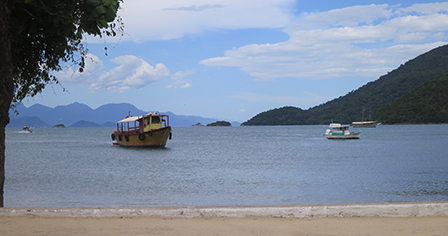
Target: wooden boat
<point x="368" y="124"/>
<point x="151" y="130"/>
<point x="338" y="131"/>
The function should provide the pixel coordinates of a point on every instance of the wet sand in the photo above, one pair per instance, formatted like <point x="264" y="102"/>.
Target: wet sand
<point x="352" y="219"/>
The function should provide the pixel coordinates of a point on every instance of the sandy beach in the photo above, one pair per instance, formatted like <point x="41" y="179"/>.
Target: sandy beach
<point x="350" y="219"/>
<point x="111" y="226"/>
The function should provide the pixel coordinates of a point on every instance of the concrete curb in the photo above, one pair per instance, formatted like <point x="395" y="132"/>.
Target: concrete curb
<point x="412" y="209"/>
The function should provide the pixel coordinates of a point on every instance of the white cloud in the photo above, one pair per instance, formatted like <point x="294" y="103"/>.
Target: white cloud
<point x="427" y="8"/>
<point x="254" y="97"/>
<point x="360" y="41"/>
<point x="169" y="19"/>
<point x="179" y="81"/>
<point x="196" y="7"/>
<point x="349" y="16"/>
<point x="132" y="72"/>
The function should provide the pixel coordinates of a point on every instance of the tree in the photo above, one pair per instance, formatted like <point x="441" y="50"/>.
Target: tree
<point x="38" y="37"/>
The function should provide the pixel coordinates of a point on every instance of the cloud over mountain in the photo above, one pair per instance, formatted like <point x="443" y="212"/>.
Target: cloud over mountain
<point x="358" y="41"/>
<point x="131" y="72"/>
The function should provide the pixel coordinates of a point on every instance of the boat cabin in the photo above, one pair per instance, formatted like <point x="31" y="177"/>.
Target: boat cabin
<point x="145" y="123"/>
<point x="338" y="127"/>
<point x="338" y="131"/>
<point x="151" y="130"/>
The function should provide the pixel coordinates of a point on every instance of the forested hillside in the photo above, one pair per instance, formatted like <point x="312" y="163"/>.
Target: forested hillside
<point x="425" y="105"/>
<point x="429" y="66"/>
<point x="280" y="116"/>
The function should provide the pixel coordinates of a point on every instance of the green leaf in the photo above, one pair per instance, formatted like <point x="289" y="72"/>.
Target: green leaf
<point x="100" y="10"/>
<point x="93" y="2"/>
<point x="110" y="15"/>
<point x="106" y="2"/>
<point x="103" y="23"/>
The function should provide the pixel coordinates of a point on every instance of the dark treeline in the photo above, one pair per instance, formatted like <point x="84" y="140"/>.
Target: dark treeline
<point x="220" y="123"/>
<point x="425" y="105"/>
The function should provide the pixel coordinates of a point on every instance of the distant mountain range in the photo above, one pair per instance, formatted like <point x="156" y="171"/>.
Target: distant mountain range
<point x="414" y="93"/>
<point x="81" y="115"/>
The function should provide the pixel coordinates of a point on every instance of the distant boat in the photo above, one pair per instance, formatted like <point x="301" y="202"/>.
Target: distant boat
<point x="338" y="131"/>
<point x="151" y="130"/>
<point x="369" y="124"/>
<point x="26" y="129"/>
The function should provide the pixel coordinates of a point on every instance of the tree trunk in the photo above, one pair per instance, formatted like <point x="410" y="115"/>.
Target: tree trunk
<point x="6" y="83"/>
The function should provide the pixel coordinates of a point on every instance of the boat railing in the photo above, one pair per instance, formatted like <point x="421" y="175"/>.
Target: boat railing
<point x="127" y="127"/>
<point x="139" y="125"/>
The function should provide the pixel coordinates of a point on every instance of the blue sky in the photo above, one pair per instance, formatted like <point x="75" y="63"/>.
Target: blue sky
<point x="232" y="59"/>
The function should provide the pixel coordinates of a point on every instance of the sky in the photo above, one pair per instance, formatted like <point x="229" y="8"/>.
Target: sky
<point x="233" y="59"/>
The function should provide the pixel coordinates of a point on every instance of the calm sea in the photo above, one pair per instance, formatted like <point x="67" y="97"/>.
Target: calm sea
<point x="204" y="166"/>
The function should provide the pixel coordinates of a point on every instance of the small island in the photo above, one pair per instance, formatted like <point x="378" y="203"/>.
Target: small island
<point x="59" y="126"/>
<point x="220" y="123"/>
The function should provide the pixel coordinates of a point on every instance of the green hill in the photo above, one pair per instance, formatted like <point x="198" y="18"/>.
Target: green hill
<point x="374" y="95"/>
<point x="280" y="116"/>
<point x="426" y="104"/>
<point x="220" y="123"/>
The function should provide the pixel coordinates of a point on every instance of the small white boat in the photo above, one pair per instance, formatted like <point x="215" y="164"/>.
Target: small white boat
<point x="367" y="124"/>
<point x="26" y="129"/>
<point x="338" y="131"/>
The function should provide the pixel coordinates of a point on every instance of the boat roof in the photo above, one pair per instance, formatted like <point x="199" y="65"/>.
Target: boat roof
<point x="130" y="119"/>
<point x="135" y="118"/>
<point x="337" y="125"/>
<point x="363" y="122"/>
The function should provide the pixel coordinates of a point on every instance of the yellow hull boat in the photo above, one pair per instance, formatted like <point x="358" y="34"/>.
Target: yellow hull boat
<point x="151" y="130"/>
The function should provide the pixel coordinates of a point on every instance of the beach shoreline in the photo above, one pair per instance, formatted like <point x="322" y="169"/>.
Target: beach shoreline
<point x="416" y="218"/>
<point x="399" y="209"/>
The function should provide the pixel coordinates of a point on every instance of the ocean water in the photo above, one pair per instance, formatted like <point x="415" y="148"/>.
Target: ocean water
<point x="223" y="166"/>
